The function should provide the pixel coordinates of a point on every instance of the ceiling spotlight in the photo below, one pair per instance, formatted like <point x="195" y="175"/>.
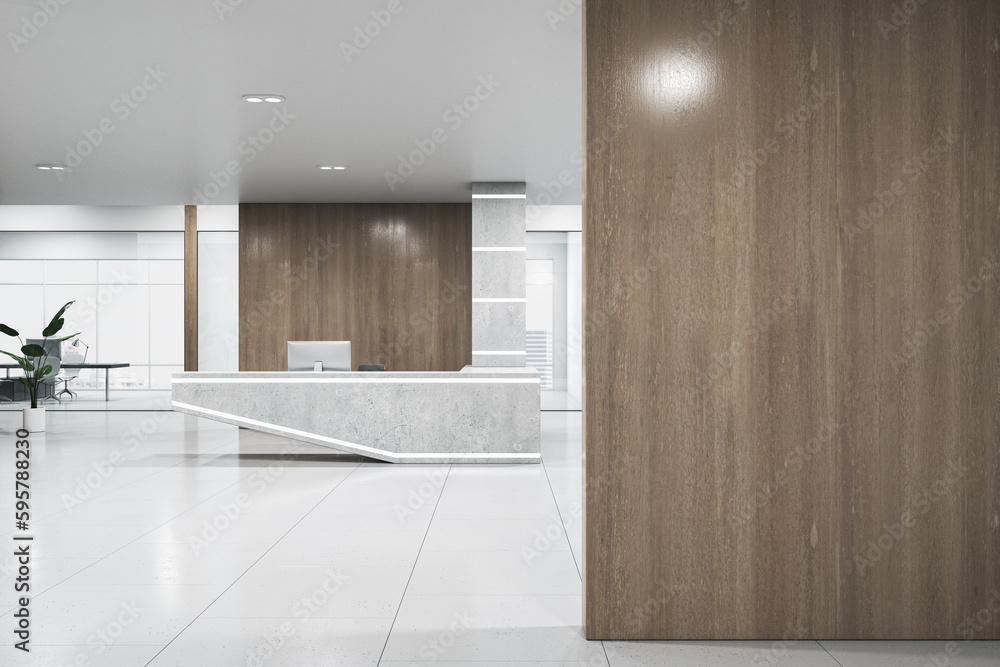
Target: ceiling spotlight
<point x="328" y="167"/>
<point x="257" y="99"/>
<point x="50" y="167"/>
<point x="340" y="168"/>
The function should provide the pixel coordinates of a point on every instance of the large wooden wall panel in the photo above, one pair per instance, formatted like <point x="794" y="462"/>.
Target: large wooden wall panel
<point x="394" y="279"/>
<point x="752" y="421"/>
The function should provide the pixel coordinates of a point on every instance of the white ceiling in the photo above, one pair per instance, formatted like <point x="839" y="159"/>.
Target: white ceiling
<point x="66" y="78"/>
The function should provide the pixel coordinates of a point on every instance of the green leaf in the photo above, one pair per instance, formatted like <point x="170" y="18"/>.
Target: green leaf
<point x="54" y="327"/>
<point x="26" y="382"/>
<point x="20" y="360"/>
<point x="7" y="330"/>
<point x="67" y="337"/>
<point x="56" y="321"/>
<point x="33" y="350"/>
<point x="45" y="372"/>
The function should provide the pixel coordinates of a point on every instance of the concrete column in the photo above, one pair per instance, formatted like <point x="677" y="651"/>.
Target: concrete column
<point x="498" y="271"/>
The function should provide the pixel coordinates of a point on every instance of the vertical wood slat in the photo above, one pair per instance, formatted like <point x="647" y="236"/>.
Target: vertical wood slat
<point x="190" y="288"/>
<point x="705" y="384"/>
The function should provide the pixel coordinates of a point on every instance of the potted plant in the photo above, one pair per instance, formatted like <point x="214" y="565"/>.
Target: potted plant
<point x="34" y="372"/>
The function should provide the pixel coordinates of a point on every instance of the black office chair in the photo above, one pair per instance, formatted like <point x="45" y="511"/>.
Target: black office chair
<point x="371" y="367"/>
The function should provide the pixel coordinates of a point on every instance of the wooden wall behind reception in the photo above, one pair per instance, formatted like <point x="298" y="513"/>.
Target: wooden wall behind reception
<point x="394" y="279"/>
<point x="792" y="340"/>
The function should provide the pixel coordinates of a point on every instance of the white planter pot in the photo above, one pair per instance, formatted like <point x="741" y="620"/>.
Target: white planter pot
<point x="34" y="420"/>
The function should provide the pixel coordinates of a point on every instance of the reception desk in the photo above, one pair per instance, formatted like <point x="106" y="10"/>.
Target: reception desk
<point x="476" y="415"/>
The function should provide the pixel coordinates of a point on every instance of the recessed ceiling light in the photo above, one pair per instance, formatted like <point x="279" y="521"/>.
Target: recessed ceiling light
<point x="328" y="167"/>
<point x="340" y="168"/>
<point x="50" y="167"/>
<point x="257" y="99"/>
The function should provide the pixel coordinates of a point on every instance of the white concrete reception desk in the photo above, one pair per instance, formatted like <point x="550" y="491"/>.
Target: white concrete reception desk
<point x="476" y="415"/>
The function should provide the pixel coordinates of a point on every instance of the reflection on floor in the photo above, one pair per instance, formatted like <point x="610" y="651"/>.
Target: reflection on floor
<point x="559" y="400"/>
<point x="93" y="400"/>
<point x="167" y="540"/>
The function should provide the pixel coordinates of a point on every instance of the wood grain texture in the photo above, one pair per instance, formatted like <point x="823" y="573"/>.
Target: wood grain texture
<point x="792" y="333"/>
<point x="394" y="279"/>
<point x="190" y="288"/>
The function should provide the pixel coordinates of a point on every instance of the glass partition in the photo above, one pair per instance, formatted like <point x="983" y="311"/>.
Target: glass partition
<point x="129" y="293"/>
<point x="554" y="316"/>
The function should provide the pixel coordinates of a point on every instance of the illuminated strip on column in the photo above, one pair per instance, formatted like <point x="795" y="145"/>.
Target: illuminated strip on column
<point x="498" y="300"/>
<point x="507" y="352"/>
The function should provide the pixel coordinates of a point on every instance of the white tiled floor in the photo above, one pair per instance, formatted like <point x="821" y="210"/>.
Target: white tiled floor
<point x="166" y="540"/>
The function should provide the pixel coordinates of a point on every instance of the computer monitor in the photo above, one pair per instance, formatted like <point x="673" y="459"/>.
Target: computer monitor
<point x="319" y="355"/>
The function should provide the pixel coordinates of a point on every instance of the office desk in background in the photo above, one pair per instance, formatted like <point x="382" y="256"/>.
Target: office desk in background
<point x="107" y="373"/>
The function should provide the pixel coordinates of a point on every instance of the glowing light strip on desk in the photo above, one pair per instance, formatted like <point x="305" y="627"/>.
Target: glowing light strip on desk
<point x="352" y="445"/>
<point x="336" y="380"/>
<point x="500" y="196"/>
